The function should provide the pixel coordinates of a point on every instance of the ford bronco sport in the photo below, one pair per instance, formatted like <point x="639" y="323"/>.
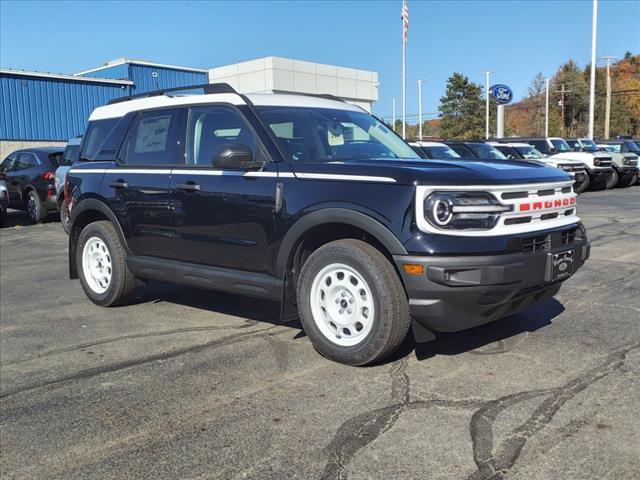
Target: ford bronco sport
<point x="314" y="203"/>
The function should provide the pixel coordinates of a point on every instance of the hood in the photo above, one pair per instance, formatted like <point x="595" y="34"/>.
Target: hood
<point x="579" y="156"/>
<point x="438" y="172"/>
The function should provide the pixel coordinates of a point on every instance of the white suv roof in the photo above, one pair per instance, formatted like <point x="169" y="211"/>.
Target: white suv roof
<point x="422" y="143"/>
<point x="511" y="144"/>
<point x="259" y="99"/>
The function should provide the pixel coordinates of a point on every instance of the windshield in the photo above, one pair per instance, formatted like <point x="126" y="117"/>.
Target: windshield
<point x="440" y="152"/>
<point x="560" y="145"/>
<point x="632" y="147"/>
<point x="589" y="145"/>
<point x="529" y="153"/>
<point x="486" y="152"/>
<point x="331" y="135"/>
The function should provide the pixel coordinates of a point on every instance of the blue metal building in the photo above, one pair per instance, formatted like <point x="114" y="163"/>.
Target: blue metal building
<point x="36" y="106"/>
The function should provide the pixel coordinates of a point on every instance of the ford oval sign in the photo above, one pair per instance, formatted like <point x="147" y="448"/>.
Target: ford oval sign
<point x="501" y="94"/>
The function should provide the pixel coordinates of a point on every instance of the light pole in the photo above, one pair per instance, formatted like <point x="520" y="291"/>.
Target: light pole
<point x="592" y="86"/>
<point x="607" y="111"/>
<point x="546" y="109"/>
<point x="419" y="82"/>
<point x="486" y="120"/>
<point x="393" y="109"/>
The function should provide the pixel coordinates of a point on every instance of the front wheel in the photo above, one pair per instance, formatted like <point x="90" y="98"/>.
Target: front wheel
<point x="352" y="304"/>
<point x="102" y="266"/>
<point x="580" y="187"/>
<point x="612" y="180"/>
<point x="628" y="181"/>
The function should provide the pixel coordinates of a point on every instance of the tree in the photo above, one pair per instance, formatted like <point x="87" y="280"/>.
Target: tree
<point x="462" y="109"/>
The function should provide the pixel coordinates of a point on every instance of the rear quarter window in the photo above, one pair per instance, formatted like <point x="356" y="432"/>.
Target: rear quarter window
<point x="97" y="133"/>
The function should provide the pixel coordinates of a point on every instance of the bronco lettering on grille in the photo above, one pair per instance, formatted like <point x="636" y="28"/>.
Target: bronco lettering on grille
<point x="557" y="203"/>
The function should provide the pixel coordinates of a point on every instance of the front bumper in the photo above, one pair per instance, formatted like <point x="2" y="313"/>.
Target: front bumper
<point x="599" y="172"/>
<point x="460" y="292"/>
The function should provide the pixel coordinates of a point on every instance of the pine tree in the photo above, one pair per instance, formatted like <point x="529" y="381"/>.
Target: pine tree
<point x="462" y="109"/>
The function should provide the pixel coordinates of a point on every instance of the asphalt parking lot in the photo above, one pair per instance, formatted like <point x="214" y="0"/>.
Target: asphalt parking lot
<point x="190" y="384"/>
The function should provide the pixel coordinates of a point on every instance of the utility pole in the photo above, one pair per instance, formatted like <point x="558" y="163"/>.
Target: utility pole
<point x="562" y="91"/>
<point x="393" y="107"/>
<point x="592" y="86"/>
<point x="419" y="82"/>
<point x="607" y="112"/>
<point x="546" y="109"/>
<point x="486" y="119"/>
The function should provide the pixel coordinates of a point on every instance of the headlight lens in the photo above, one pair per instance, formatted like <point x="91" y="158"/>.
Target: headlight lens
<point x="596" y="161"/>
<point x="463" y="210"/>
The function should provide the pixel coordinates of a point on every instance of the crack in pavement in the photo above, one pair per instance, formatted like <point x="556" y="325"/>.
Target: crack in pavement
<point x="357" y="432"/>
<point x="493" y="466"/>
<point x="80" y="346"/>
<point x="94" y="372"/>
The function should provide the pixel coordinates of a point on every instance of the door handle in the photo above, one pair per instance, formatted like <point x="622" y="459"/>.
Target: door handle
<point x="189" y="187"/>
<point x="119" y="184"/>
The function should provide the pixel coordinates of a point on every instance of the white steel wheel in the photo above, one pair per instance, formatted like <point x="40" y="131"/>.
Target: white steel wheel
<point x="342" y="304"/>
<point x="96" y="265"/>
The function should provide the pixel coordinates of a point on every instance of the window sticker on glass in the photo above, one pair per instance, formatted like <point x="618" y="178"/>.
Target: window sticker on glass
<point x="335" y="134"/>
<point x="152" y="134"/>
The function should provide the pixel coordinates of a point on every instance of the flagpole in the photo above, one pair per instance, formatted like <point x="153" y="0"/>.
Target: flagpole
<point x="404" y="73"/>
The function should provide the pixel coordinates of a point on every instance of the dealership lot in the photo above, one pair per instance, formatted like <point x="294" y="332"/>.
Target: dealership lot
<point x="188" y="383"/>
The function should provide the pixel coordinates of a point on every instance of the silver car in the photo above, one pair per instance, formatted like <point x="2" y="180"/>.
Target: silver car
<point x="69" y="157"/>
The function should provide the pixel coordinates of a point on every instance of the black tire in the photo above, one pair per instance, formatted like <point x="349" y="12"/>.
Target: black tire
<point x="65" y="218"/>
<point x="122" y="283"/>
<point x="581" y="187"/>
<point x="34" y="207"/>
<point x="598" y="184"/>
<point x="628" y="181"/>
<point x="390" y="320"/>
<point x="612" y="180"/>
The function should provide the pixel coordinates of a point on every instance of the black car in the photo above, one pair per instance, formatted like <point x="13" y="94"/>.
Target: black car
<point x="314" y="203"/>
<point x="475" y="150"/>
<point x="30" y="177"/>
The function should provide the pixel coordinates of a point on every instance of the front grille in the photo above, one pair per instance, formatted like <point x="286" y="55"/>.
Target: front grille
<point x="604" y="161"/>
<point x="571" y="168"/>
<point x="541" y="243"/>
<point x="535" y="244"/>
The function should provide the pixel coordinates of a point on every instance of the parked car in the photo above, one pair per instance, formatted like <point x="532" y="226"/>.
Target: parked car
<point x="30" y="181"/>
<point x="475" y="150"/>
<point x="69" y="157"/>
<point x="597" y="164"/>
<point x="625" y="165"/>
<point x="4" y="199"/>
<point x="314" y="203"/>
<point x="433" y="150"/>
<point x="524" y="151"/>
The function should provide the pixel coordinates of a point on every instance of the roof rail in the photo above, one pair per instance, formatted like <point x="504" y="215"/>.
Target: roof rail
<point x="207" y="87"/>
<point x="326" y="96"/>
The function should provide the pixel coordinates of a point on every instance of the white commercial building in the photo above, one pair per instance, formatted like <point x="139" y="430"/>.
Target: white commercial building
<point x="284" y="75"/>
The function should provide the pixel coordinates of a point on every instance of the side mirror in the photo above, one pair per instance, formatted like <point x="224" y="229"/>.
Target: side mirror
<point x="235" y="156"/>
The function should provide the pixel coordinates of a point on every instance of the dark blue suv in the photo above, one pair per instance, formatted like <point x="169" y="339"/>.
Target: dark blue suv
<point x="314" y="203"/>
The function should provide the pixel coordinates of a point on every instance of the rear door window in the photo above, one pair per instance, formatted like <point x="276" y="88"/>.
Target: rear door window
<point x="24" y="161"/>
<point x="156" y="139"/>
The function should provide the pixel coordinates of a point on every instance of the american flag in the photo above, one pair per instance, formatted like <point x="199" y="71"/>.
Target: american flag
<point x="405" y="21"/>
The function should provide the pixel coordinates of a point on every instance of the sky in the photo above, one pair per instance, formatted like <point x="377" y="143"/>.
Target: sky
<point x="515" y="39"/>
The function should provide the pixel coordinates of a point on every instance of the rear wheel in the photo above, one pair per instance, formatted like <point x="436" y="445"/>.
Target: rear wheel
<point x="65" y="219"/>
<point x="102" y="266"/>
<point x="352" y="304"/>
<point x="35" y="209"/>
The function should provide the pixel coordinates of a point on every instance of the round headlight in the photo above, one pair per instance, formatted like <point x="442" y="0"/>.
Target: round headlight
<point x="442" y="210"/>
